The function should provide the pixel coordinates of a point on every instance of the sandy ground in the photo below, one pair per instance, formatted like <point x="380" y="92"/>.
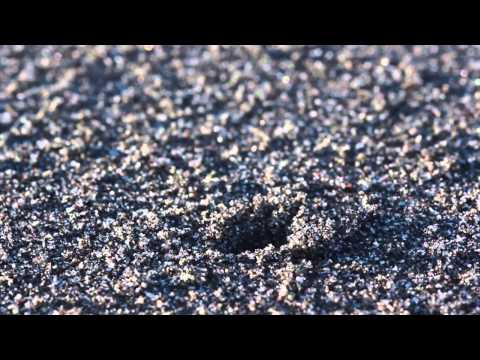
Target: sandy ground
<point x="239" y="179"/>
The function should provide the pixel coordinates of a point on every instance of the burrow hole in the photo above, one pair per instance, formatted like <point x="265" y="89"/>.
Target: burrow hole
<point x="253" y="229"/>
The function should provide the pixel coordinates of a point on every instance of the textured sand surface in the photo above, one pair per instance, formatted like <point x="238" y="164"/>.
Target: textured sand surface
<point x="239" y="179"/>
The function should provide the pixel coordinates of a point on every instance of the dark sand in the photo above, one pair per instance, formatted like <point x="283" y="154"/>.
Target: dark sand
<point x="242" y="179"/>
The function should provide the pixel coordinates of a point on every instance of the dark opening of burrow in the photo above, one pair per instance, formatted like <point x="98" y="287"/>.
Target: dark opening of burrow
<point x="253" y="229"/>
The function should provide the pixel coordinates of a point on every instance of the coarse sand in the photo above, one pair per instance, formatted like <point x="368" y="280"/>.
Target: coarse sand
<point x="239" y="179"/>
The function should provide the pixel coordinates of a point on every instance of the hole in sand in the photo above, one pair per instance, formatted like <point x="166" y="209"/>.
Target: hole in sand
<point x="252" y="229"/>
